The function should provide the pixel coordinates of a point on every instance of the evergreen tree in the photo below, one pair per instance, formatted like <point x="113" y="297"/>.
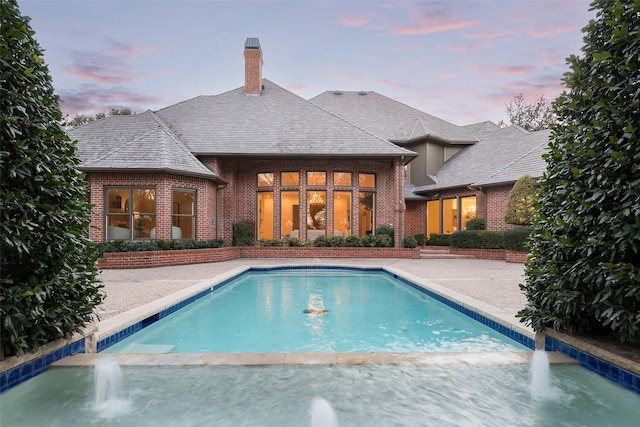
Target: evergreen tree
<point x="48" y="274"/>
<point x="519" y="210"/>
<point x="584" y="271"/>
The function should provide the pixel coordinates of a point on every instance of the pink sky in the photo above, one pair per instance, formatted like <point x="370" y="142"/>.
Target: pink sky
<point x="461" y="61"/>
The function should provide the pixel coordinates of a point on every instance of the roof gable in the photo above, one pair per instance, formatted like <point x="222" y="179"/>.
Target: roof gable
<point x="394" y="120"/>
<point x="275" y="123"/>
<point x="140" y="142"/>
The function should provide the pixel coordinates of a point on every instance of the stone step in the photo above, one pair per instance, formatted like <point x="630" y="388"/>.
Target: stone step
<point x="441" y="253"/>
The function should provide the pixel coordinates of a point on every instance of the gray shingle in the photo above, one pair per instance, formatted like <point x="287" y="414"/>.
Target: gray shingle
<point x="395" y="121"/>
<point x="500" y="156"/>
<point x="140" y="142"/>
<point x="277" y="122"/>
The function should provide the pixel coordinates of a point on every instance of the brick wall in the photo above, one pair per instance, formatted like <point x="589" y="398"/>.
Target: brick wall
<point x="123" y="260"/>
<point x="415" y="218"/>
<point x="496" y="206"/>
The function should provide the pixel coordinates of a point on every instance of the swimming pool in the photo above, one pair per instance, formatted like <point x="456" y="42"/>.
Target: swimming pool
<point x="456" y="394"/>
<point x="316" y="310"/>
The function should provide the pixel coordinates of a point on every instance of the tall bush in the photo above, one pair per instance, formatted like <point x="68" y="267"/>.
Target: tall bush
<point x="242" y="234"/>
<point x="519" y="209"/>
<point x="49" y="286"/>
<point x="583" y="274"/>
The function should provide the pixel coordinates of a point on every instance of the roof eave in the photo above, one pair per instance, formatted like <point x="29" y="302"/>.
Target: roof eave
<point x="212" y="176"/>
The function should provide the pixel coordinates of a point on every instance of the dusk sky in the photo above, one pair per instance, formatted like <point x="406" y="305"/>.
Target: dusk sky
<point x="461" y="61"/>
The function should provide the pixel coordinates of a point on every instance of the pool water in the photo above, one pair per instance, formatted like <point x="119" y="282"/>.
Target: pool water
<point x="426" y="395"/>
<point x="316" y="311"/>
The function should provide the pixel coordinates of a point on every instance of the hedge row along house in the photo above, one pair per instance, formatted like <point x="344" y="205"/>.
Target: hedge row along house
<point x="340" y="163"/>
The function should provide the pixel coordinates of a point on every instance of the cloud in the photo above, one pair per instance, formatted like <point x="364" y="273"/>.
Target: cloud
<point x="354" y="21"/>
<point x="91" y="99"/>
<point x="466" y="47"/>
<point x="434" y="23"/>
<point x="113" y="65"/>
<point x="512" y="70"/>
<point x="486" y="35"/>
<point x="552" y="30"/>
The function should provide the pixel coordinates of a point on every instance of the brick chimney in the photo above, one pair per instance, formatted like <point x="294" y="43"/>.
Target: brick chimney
<point x="252" y="67"/>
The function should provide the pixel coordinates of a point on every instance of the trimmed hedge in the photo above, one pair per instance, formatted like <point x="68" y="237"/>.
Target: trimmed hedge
<point x="409" y="242"/>
<point x="438" y="240"/>
<point x="154" y="245"/>
<point x="477" y="239"/>
<point x="516" y="239"/>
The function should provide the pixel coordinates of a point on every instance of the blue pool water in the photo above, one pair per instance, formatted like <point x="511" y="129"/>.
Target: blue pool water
<point x="316" y="311"/>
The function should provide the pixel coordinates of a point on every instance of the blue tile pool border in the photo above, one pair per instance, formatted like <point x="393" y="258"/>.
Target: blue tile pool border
<point x="30" y="369"/>
<point x="595" y="364"/>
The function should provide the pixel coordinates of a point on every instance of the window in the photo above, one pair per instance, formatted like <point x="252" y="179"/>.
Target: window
<point x="290" y="215"/>
<point x="316" y="210"/>
<point x="265" y="215"/>
<point x="183" y="214"/>
<point x="342" y="179"/>
<point x="316" y="178"/>
<point x="366" y="213"/>
<point x="449" y="216"/>
<point x="468" y="207"/>
<point x="130" y="213"/>
<point x="367" y="180"/>
<point x="433" y="217"/>
<point x="265" y="180"/>
<point x="341" y="213"/>
<point x="290" y="179"/>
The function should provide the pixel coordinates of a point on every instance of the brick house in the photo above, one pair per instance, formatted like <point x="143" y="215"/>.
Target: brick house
<point x="338" y="164"/>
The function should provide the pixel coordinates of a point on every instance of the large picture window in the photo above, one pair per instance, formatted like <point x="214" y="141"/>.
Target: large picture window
<point x="265" y="215"/>
<point x="317" y="210"/>
<point x="130" y="213"/>
<point x="366" y="213"/>
<point x="183" y="224"/>
<point x="433" y="217"/>
<point x="342" y="213"/>
<point x="449" y="216"/>
<point x="290" y="215"/>
<point x="468" y="206"/>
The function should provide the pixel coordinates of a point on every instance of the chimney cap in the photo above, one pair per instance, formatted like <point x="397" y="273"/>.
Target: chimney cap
<point x="252" y="43"/>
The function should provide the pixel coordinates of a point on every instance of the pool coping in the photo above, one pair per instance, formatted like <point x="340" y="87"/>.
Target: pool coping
<point x="312" y="359"/>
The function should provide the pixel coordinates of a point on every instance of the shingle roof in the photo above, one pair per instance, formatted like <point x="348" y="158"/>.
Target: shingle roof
<point x="140" y="142"/>
<point x="396" y="121"/>
<point x="275" y="123"/>
<point x="501" y="156"/>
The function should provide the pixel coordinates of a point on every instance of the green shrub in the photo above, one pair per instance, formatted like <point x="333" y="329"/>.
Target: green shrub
<point x="409" y="242"/>
<point x="385" y="230"/>
<point x="438" y="239"/>
<point x="352" y="241"/>
<point x="184" y="244"/>
<point x="336" y="241"/>
<point x="519" y="209"/>
<point x="475" y="224"/>
<point x="49" y="285"/>
<point x="384" y="241"/>
<point x="264" y="243"/>
<point x="294" y="242"/>
<point x="242" y="234"/>
<point x="321" y="242"/>
<point x="584" y="269"/>
<point x="516" y="239"/>
<point x="271" y="243"/>
<point x="369" y="241"/>
<point x="477" y="239"/>
<point x="421" y="239"/>
<point x="154" y="245"/>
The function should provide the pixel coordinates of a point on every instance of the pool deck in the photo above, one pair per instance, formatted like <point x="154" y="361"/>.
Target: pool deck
<point x="491" y="287"/>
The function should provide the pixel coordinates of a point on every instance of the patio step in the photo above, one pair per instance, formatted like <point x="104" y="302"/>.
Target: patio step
<point x="441" y="254"/>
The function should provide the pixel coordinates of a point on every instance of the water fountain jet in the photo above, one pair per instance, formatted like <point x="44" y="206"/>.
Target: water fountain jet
<point x="323" y="414"/>
<point x="108" y="387"/>
<point x="540" y="375"/>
